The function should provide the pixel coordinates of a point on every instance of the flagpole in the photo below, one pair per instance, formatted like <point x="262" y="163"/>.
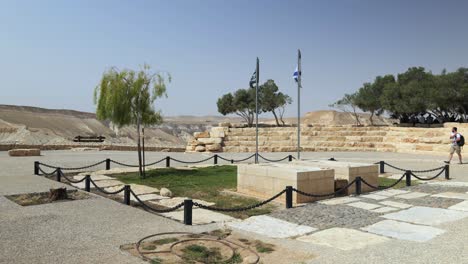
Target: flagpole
<point x="299" y="104"/>
<point x="256" y="112"/>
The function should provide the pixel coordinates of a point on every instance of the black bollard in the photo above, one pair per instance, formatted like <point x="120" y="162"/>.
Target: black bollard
<point x="126" y="195"/>
<point x="188" y="206"/>
<point x="447" y="172"/>
<point x="88" y="183"/>
<point x="215" y="159"/>
<point x="358" y="186"/>
<point x="36" y="168"/>
<point x="58" y="176"/>
<point x="232" y="161"/>
<point x="289" y="197"/>
<point x="382" y="166"/>
<point x="408" y="177"/>
<point x="290" y="158"/>
<point x="108" y="161"/>
<point x="168" y="162"/>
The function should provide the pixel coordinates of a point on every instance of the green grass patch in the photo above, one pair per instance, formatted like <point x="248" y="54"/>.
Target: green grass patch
<point x="149" y="247"/>
<point x="262" y="247"/>
<point x="164" y="241"/>
<point x="205" y="183"/>
<point x="384" y="182"/>
<point x="199" y="253"/>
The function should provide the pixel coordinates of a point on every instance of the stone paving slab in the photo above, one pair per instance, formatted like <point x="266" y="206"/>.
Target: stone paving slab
<point x="200" y="216"/>
<point x="404" y="231"/>
<point x="375" y="197"/>
<point x="271" y="227"/>
<point x="390" y="192"/>
<point x="100" y="184"/>
<point x="363" y="205"/>
<point x="148" y="197"/>
<point x="452" y="195"/>
<point x="385" y="209"/>
<point x="449" y="183"/>
<point x="340" y="200"/>
<point x="343" y="238"/>
<point x="463" y="206"/>
<point x="412" y="195"/>
<point x="429" y="201"/>
<point x="396" y="204"/>
<point x="426" y="215"/>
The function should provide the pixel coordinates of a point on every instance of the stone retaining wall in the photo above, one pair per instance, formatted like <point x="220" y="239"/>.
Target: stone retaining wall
<point x="327" y="138"/>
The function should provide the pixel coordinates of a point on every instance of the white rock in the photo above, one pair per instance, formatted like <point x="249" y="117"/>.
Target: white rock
<point x="200" y="148"/>
<point x="165" y="192"/>
<point x="213" y="140"/>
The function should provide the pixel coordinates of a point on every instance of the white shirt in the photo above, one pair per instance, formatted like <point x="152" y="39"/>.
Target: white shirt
<point x="455" y="138"/>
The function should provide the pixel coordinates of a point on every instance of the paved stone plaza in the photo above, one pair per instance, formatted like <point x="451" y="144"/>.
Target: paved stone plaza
<point x="421" y="224"/>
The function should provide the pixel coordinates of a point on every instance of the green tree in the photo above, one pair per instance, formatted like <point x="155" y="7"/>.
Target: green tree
<point x="271" y="100"/>
<point x="368" y="97"/>
<point x="241" y="103"/>
<point x="126" y="97"/>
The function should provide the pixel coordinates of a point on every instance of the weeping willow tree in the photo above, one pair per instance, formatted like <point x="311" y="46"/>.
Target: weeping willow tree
<point x="126" y="98"/>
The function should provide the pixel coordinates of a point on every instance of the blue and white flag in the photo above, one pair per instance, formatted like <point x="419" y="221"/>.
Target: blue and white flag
<point x="296" y="74"/>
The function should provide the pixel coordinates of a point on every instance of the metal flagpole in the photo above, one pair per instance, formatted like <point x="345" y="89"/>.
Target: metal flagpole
<point x="256" y="112"/>
<point x="299" y="104"/>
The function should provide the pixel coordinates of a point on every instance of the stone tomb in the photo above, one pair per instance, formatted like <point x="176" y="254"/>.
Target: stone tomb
<point x="267" y="179"/>
<point x="349" y="171"/>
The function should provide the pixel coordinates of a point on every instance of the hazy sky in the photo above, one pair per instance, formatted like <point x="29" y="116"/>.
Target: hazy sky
<point x="53" y="53"/>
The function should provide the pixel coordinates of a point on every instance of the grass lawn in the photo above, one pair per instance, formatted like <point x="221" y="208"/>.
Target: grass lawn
<point x="383" y="182"/>
<point x="205" y="183"/>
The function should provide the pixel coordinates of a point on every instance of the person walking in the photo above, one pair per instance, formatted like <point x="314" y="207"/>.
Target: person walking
<point x="457" y="143"/>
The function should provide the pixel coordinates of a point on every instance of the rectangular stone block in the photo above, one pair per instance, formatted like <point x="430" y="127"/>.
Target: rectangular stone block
<point x="266" y="180"/>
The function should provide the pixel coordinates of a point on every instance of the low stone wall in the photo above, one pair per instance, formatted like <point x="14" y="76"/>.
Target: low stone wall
<point x="24" y="152"/>
<point x="327" y="138"/>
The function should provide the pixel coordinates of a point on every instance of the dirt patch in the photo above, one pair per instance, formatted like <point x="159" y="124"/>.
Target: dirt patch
<point x="216" y="247"/>
<point x="27" y="199"/>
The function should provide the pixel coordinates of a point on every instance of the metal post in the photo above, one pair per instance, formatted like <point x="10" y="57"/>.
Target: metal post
<point x="88" y="183"/>
<point x="58" y="176"/>
<point x="168" y="162"/>
<point x="290" y="158"/>
<point x="289" y="197"/>
<point x="127" y="194"/>
<point x="256" y="113"/>
<point x="358" y="186"/>
<point x="232" y="161"/>
<point x="36" y="168"/>
<point x="215" y="159"/>
<point x="188" y="206"/>
<point x="408" y="178"/>
<point x="108" y="161"/>
<point x="299" y="73"/>
<point x="382" y="166"/>
<point x="447" y="172"/>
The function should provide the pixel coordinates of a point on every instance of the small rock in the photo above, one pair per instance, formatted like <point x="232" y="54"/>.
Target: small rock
<point x="198" y="135"/>
<point x="250" y="260"/>
<point x="200" y="148"/>
<point x="165" y="192"/>
<point x="24" y="152"/>
<point x="213" y="147"/>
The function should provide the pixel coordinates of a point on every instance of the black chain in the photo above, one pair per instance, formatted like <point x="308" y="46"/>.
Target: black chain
<point x="384" y="187"/>
<point x="156" y="162"/>
<point x="430" y="178"/>
<point x="327" y="194"/>
<point x="239" y="160"/>
<point x="144" y="205"/>
<point x="104" y="191"/>
<point x="77" y="168"/>
<point x="270" y="160"/>
<point x="73" y="181"/>
<point x="239" y="209"/>
<point x="417" y="171"/>
<point x="124" y="164"/>
<point x="192" y="162"/>
<point x="47" y="174"/>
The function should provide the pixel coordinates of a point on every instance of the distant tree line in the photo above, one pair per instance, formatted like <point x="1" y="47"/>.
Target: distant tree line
<point x="415" y="96"/>
<point x="242" y="103"/>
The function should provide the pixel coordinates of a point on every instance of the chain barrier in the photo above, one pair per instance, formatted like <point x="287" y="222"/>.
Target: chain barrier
<point x="73" y="181"/>
<point x="192" y="162"/>
<point x="77" y="168"/>
<point x="327" y="194"/>
<point x="239" y="160"/>
<point x="384" y="187"/>
<point x="239" y="209"/>
<point x="104" y="191"/>
<point x="154" y="163"/>
<point x="124" y="164"/>
<point x="47" y="174"/>
<point x="144" y="205"/>
<point x="430" y="178"/>
<point x="270" y="160"/>
<point x="416" y="171"/>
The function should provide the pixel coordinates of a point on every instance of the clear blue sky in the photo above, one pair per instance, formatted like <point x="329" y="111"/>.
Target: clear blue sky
<point x="53" y="53"/>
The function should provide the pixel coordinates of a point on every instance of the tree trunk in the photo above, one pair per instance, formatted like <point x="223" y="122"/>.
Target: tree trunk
<point x="276" y="118"/>
<point x="139" y="148"/>
<point x="371" y="118"/>
<point x="58" y="194"/>
<point x="143" y="142"/>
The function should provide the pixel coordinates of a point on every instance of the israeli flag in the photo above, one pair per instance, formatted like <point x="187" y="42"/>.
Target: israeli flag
<point x="296" y="74"/>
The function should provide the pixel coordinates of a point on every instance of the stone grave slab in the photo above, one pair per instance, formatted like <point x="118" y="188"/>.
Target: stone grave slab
<point x="404" y="231"/>
<point x="271" y="227"/>
<point x="385" y="209"/>
<point x="363" y="205"/>
<point x="396" y="204"/>
<point x="200" y="216"/>
<point x="463" y="206"/>
<point x="449" y="183"/>
<point x="412" y="195"/>
<point x="148" y="197"/>
<point x="343" y="238"/>
<point x="452" y="195"/>
<point x="340" y="200"/>
<point x="390" y="192"/>
<point x="426" y="215"/>
<point x="374" y="197"/>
